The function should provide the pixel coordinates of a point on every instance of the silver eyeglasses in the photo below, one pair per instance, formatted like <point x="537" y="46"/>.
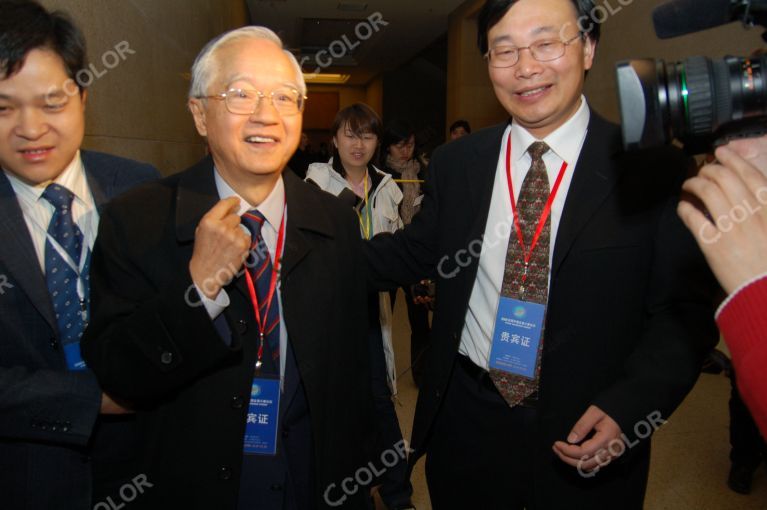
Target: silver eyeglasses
<point x="286" y="100"/>
<point x="542" y="51"/>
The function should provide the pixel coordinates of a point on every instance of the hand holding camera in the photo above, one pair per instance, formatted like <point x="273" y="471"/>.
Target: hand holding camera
<point x="733" y="235"/>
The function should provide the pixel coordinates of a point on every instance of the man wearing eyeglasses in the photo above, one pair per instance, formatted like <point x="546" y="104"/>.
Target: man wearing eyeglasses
<point x="574" y="310"/>
<point x="230" y="310"/>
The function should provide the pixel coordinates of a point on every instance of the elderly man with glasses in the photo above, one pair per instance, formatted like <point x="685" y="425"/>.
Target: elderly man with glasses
<point x="573" y="308"/>
<point x="228" y="307"/>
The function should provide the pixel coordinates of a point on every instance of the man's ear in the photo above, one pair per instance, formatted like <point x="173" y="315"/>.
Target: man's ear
<point x="200" y="119"/>
<point x="589" y="50"/>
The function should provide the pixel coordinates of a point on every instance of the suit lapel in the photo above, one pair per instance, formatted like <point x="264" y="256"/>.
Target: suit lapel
<point x="480" y="177"/>
<point x="99" y="180"/>
<point x="304" y="214"/>
<point x="594" y="179"/>
<point x="18" y="255"/>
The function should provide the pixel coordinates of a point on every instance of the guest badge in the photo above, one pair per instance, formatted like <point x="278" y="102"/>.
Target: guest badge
<point x="517" y="334"/>
<point x="262" y="418"/>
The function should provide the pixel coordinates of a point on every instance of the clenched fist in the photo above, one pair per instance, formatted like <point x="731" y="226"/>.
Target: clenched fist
<point x="220" y="248"/>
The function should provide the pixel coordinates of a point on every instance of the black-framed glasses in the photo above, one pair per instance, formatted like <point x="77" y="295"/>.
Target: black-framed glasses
<point x="542" y="51"/>
<point x="286" y="100"/>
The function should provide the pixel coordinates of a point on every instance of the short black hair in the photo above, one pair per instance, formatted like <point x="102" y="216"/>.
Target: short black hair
<point x="494" y="10"/>
<point x="460" y="123"/>
<point x="361" y="119"/>
<point x="25" y="25"/>
<point x="398" y="130"/>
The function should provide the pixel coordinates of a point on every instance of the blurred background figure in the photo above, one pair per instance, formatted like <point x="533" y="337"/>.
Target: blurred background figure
<point x="350" y="175"/>
<point x="459" y="128"/>
<point x="302" y="158"/>
<point x="398" y="158"/>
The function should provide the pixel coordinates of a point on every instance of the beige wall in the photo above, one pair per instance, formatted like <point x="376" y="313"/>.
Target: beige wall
<point x="138" y="108"/>
<point x="347" y="95"/>
<point x="469" y="92"/>
<point x="626" y="34"/>
<point x="374" y="94"/>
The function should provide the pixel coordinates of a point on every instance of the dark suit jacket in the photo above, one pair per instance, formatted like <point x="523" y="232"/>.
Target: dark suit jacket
<point x="47" y="413"/>
<point x="629" y="315"/>
<point x="147" y="345"/>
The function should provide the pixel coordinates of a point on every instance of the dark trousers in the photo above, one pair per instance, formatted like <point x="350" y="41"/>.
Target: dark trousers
<point x="481" y="451"/>
<point x="748" y="446"/>
<point x="484" y="454"/>
<point x="418" y="317"/>
<point x="395" y="487"/>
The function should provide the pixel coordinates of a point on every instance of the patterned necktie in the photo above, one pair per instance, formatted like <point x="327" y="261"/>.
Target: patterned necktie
<point x="61" y="278"/>
<point x="259" y="265"/>
<point x="535" y="287"/>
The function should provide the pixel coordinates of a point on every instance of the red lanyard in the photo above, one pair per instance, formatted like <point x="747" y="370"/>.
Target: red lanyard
<point x="544" y="214"/>
<point x="270" y="295"/>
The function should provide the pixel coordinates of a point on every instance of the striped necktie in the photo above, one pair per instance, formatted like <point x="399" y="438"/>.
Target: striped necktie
<point x="259" y="265"/>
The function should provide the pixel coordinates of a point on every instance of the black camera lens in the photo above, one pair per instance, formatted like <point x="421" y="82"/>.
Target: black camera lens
<point x="698" y="101"/>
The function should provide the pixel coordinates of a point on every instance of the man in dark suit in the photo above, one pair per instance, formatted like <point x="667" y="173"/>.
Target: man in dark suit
<point x="252" y="390"/>
<point x="543" y="232"/>
<point x="55" y="447"/>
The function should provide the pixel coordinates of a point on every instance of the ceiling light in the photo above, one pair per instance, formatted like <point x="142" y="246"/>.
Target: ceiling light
<point x="352" y="6"/>
<point x="326" y="78"/>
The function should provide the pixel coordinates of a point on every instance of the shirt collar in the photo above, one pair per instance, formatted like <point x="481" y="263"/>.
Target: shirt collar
<point x="565" y="141"/>
<point x="272" y="207"/>
<point x="72" y="178"/>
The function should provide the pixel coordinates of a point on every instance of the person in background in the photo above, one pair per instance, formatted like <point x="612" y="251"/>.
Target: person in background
<point x="351" y="176"/>
<point x="459" y="128"/>
<point x="232" y="306"/>
<point x="64" y="443"/>
<point x="398" y="159"/>
<point x="302" y="158"/>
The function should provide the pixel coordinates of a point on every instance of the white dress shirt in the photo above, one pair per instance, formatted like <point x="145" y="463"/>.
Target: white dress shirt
<point x="565" y="143"/>
<point x="272" y="208"/>
<point x="38" y="211"/>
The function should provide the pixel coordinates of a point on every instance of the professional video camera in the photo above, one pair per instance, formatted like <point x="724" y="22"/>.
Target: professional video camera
<point x="700" y="102"/>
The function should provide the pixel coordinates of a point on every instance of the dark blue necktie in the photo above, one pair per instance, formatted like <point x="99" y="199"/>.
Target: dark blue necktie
<point x="62" y="278"/>
<point x="259" y="265"/>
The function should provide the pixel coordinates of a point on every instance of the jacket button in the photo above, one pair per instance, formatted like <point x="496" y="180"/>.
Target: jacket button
<point x="276" y="487"/>
<point x="437" y="394"/>
<point x="224" y="473"/>
<point x="237" y="402"/>
<point x="242" y="326"/>
<point x="285" y="432"/>
<point x="166" y="358"/>
<point x="54" y="344"/>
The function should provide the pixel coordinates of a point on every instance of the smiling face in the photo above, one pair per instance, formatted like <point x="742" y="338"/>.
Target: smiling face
<point x="541" y="96"/>
<point x="356" y="150"/>
<point x="249" y="148"/>
<point x="42" y="119"/>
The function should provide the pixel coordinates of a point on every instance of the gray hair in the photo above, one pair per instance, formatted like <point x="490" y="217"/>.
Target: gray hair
<point x="203" y="64"/>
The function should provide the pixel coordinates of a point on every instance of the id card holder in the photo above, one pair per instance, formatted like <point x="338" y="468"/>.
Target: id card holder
<point x="73" y="357"/>
<point x="516" y="337"/>
<point x="263" y="413"/>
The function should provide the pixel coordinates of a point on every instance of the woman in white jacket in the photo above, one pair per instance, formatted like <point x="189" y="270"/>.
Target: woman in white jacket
<point x="375" y="197"/>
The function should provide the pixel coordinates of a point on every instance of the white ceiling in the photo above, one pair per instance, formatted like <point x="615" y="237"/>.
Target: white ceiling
<point x="404" y="28"/>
